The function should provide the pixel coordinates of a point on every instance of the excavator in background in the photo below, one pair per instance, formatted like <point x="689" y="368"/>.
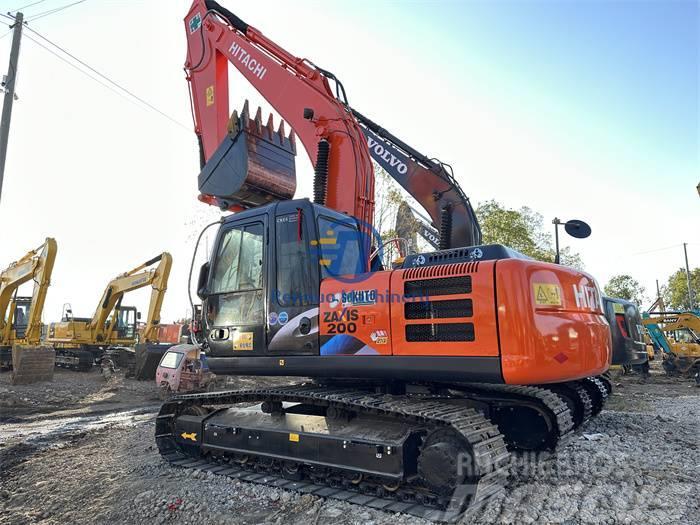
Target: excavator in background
<point x="112" y="332"/>
<point x="629" y="350"/>
<point x="681" y="353"/>
<point x="20" y="317"/>
<point x="422" y="376"/>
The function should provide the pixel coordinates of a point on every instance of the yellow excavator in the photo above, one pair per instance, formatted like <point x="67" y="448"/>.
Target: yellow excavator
<point x="20" y="317"/>
<point x="112" y="330"/>
<point x="677" y="335"/>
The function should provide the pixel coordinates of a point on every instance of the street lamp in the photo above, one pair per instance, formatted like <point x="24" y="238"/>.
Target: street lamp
<point x="574" y="227"/>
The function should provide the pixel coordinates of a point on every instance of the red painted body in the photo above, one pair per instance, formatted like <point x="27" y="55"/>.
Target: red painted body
<point x="561" y="337"/>
<point x="537" y="343"/>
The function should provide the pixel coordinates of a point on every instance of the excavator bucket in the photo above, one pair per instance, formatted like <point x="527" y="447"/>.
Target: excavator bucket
<point x="32" y="364"/>
<point x="253" y="165"/>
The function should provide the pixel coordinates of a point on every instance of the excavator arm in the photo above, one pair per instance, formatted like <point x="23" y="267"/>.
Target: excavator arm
<point x="339" y="140"/>
<point x="37" y="265"/>
<point x="299" y="92"/>
<point x="429" y="181"/>
<point x="132" y="280"/>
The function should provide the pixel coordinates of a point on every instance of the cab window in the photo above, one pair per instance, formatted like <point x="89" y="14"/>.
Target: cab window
<point x="237" y="281"/>
<point x="293" y="268"/>
<point x="340" y="251"/>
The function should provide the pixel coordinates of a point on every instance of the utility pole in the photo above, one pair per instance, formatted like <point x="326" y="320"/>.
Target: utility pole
<point x="9" y="86"/>
<point x="687" y="273"/>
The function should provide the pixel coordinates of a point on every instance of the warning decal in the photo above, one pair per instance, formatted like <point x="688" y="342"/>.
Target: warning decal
<point x="210" y="95"/>
<point x="547" y="294"/>
<point x="243" y="340"/>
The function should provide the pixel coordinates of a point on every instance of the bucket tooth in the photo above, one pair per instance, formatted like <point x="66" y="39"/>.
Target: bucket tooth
<point x="292" y="142"/>
<point x="258" y="120"/>
<point x="232" y="126"/>
<point x="280" y="132"/>
<point x="245" y="114"/>
<point x="270" y="126"/>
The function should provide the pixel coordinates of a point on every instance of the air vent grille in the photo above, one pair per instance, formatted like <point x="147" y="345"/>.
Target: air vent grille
<point x="441" y="270"/>
<point x="439" y="309"/>
<point x="444" y="286"/>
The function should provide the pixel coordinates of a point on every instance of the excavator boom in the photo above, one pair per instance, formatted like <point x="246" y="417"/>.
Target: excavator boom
<point x="36" y="265"/>
<point x="22" y="351"/>
<point x="127" y="282"/>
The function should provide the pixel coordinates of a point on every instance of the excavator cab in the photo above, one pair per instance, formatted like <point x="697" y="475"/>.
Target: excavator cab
<point x="127" y="317"/>
<point x="260" y="291"/>
<point x="20" y="316"/>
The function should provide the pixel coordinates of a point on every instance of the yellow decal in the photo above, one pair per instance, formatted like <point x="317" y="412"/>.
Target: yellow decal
<point x="281" y="362"/>
<point x="191" y="435"/>
<point x="547" y="294"/>
<point x="242" y="340"/>
<point x="618" y="308"/>
<point x="210" y="95"/>
<point x="294" y="437"/>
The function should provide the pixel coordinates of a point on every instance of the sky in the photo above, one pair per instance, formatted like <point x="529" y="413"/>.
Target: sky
<point x="576" y="109"/>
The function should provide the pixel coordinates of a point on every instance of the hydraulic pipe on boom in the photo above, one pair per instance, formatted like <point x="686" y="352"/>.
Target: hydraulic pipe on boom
<point x="325" y="125"/>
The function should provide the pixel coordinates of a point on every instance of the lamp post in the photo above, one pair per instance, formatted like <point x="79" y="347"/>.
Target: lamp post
<point x="574" y="227"/>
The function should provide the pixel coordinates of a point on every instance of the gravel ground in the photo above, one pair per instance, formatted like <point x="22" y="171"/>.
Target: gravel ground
<point x="637" y="462"/>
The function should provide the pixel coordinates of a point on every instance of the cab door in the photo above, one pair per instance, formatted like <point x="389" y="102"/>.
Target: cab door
<point x="235" y="309"/>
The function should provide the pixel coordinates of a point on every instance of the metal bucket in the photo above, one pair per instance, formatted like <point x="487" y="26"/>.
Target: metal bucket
<point x="253" y="165"/>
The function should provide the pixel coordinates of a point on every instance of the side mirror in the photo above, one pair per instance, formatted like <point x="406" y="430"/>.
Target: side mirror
<point x="138" y="315"/>
<point x="202" y="281"/>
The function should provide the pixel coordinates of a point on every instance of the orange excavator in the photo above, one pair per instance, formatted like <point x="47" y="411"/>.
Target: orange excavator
<point x="419" y="378"/>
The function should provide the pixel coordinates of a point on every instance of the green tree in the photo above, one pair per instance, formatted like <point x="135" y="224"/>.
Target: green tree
<point x="676" y="290"/>
<point x="625" y="287"/>
<point x="523" y="230"/>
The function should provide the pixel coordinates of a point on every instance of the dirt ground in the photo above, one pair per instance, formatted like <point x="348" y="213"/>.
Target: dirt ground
<point x="81" y="450"/>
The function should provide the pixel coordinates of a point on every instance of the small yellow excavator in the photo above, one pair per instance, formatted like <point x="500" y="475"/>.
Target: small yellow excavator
<point x="112" y="331"/>
<point x="20" y="317"/>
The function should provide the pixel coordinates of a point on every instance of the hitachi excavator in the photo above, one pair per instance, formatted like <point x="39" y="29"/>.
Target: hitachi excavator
<point x="79" y="342"/>
<point x="20" y="317"/>
<point x="421" y="377"/>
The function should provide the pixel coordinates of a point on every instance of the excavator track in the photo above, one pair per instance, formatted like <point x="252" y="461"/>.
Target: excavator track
<point x="74" y="359"/>
<point x="444" y="429"/>
<point x="577" y="398"/>
<point x="530" y="417"/>
<point x="598" y="389"/>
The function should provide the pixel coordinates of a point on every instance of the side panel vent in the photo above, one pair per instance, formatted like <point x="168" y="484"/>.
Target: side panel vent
<point x="440" y="332"/>
<point x="439" y="309"/>
<point x="445" y="286"/>
<point x="441" y="270"/>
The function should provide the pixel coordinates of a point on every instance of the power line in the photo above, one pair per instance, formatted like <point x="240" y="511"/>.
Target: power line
<point x="71" y="64"/>
<point x="656" y="250"/>
<point x="26" y="6"/>
<point x="52" y="11"/>
<point x="101" y="75"/>
<point x="105" y="77"/>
